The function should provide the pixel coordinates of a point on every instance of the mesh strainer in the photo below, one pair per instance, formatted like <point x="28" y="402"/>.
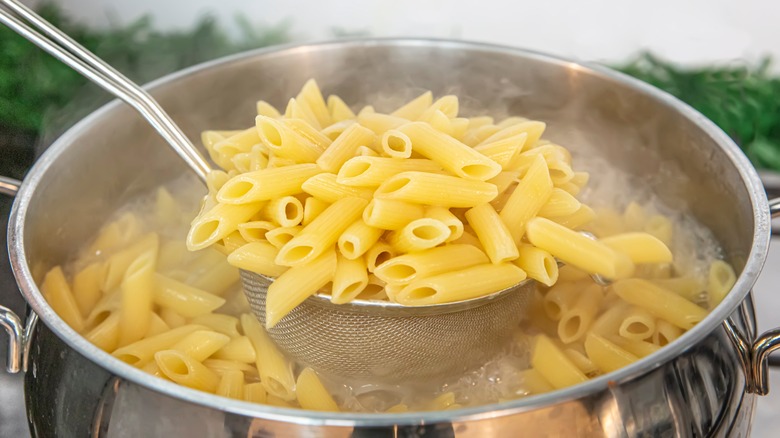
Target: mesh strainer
<point x="378" y="340"/>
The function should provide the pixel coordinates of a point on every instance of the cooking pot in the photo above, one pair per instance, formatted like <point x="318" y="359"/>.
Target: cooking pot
<point x="703" y="384"/>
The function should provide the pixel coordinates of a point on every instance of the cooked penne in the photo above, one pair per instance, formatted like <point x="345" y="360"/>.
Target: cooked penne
<point x="286" y="142"/>
<point x="218" y="222"/>
<point x="312" y="208"/>
<point x="350" y="279"/>
<point x="105" y="335"/>
<point x="451" y="154"/>
<point x="257" y="257"/>
<point x="137" y="289"/>
<point x="186" y="371"/>
<point x="577" y="320"/>
<point x="418" y="235"/>
<point x="471" y="282"/>
<point x="415" y="107"/>
<point x="535" y="382"/>
<point x="560" y="203"/>
<point x="532" y="192"/>
<point x="637" y="348"/>
<point x="380" y="123"/>
<point x="312" y="394"/>
<point x="266" y="109"/>
<point x="492" y="233"/>
<point x="540" y="265"/>
<point x="396" y="144"/>
<point x="279" y="237"/>
<point x="533" y="129"/>
<point x="287" y="211"/>
<point x="405" y="268"/>
<point x="373" y="171"/>
<point x="553" y="364"/>
<point x="344" y="147"/>
<point x="606" y="355"/>
<point x="225" y="324"/>
<point x="201" y="344"/>
<point x="238" y="349"/>
<point x="254" y="231"/>
<point x="266" y="184"/>
<point x="311" y="97"/>
<point x="322" y="233"/>
<point x="358" y="238"/>
<point x="660" y="302"/>
<point x="639" y="247"/>
<point x="504" y="151"/>
<point x="255" y="393"/>
<point x="339" y="111"/>
<point x="720" y="280"/>
<point x="665" y="333"/>
<point x="326" y="188"/>
<point x="445" y="216"/>
<point x="298" y="283"/>
<point x="637" y="325"/>
<point x="275" y="370"/>
<point x="140" y="352"/>
<point x="86" y="288"/>
<point x="231" y="385"/>
<point x="389" y="214"/>
<point x="425" y="188"/>
<point x="183" y="298"/>
<point x="378" y="254"/>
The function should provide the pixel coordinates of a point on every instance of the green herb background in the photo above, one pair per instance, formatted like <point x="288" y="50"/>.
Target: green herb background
<point x="39" y="93"/>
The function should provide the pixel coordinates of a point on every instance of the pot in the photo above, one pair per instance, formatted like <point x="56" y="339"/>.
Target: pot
<point x="703" y="384"/>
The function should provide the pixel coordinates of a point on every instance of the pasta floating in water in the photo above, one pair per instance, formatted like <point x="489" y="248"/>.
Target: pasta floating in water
<point x="415" y="206"/>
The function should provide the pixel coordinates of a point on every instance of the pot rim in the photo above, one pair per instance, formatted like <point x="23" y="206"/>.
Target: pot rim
<point x="745" y="281"/>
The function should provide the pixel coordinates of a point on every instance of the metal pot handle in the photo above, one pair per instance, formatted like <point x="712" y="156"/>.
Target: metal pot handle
<point x="766" y="343"/>
<point x="19" y="333"/>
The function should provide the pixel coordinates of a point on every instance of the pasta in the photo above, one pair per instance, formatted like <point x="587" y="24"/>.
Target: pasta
<point x="419" y="206"/>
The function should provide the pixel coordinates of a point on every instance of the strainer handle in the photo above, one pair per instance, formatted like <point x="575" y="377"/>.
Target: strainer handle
<point x="46" y="36"/>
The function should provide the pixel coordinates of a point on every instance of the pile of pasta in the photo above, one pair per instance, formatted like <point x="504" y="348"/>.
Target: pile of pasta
<point x="585" y="329"/>
<point x="381" y="206"/>
<point x="418" y="206"/>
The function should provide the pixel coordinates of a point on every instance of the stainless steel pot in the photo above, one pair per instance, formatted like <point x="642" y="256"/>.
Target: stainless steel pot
<point x="703" y="384"/>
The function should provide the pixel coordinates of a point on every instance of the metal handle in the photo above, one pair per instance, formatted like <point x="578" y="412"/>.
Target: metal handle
<point x="766" y="343"/>
<point x="46" y="36"/>
<point x="19" y="334"/>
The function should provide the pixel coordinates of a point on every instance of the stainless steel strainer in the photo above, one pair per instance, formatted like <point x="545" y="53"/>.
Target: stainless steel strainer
<point x="378" y="340"/>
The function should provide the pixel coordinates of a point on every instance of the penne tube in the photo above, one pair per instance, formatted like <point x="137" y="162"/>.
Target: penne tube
<point x="405" y="268"/>
<point x="637" y="348"/>
<point x="376" y="289"/>
<point x="575" y="221"/>
<point x="445" y="216"/>
<point x="225" y="324"/>
<point x="415" y="107"/>
<point x="254" y="231"/>
<point x="446" y="104"/>
<point x="561" y="299"/>
<point x="298" y="283"/>
<point x="660" y="227"/>
<point x="218" y="279"/>
<point x="344" y="147"/>
<point x="388" y="214"/>
<point x="418" y="235"/>
<point x="186" y="371"/>
<point x="373" y="171"/>
<point x="634" y="216"/>
<point x="451" y="154"/>
<point x="534" y="382"/>
<point x="312" y="394"/>
<point x="172" y="318"/>
<point x="231" y="385"/>
<point x="137" y="289"/>
<point x="425" y="188"/>
<point x="665" y="333"/>
<point x="560" y="203"/>
<point x="637" y="325"/>
<point x="238" y="349"/>
<point x="115" y="267"/>
<point x="380" y="123"/>
<point x="504" y="151"/>
<point x="86" y="288"/>
<point x="322" y="233"/>
<point x="358" y="238"/>
<point x="608" y="323"/>
<point x="218" y="222"/>
<point x="266" y="184"/>
<point x="553" y="364"/>
<point x="531" y="193"/>
<point x="580" y="251"/>
<point x="312" y="208"/>
<point x="532" y="128"/>
<point x="156" y="326"/>
<point x="438" y="121"/>
<point x="326" y="188"/>
<point x="720" y="280"/>
<point x="266" y="109"/>
<point x="378" y="254"/>
<point x="201" y="344"/>
<point x="220" y="367"/>
<point x="639" y="247"/>
<point x="540" y="265"/>
<point x="660" y="302"/>
<point x="606" y="355"/>
<point x="350" y="279"/>
<point x="308" y="131"/>
<point x="583" y="363"/>
<point x="339" y="111"/>
<point x="333" y="131"/>
<point x="576" y="321"/>
<point x="287" y="211"/>
<point x="275" y="370"/>
<point x="105" y="335"/>
<point x="141" y="352"/>
<point x="255" y="393"/>
<point x="492" y="233"/>
<point x="182" y="298"/>
<point x="257" y="257"/>
<point x="396" y="144"/>
<point x="471" y="282"/>
<point x="279" y="237"/>
<point x="311" y="97"/>
<point x="287" y="142"/>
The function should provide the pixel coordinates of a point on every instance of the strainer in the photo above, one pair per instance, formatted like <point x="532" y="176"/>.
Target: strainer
<point x="380" y="340"/>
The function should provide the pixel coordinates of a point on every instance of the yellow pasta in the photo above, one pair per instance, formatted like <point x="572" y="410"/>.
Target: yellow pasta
<point x="275" y="370"/>
<point x="312" y="208"/>
<point x="115" y="267"/>
<point x="137" y="291"/>
<point x="255" y="393"/>
<point x="461" y="285"/>
<point x="576" y="321"/>
<point x="106" y="334"/>
<point x="286" y="142"/>
<point x="388" y="214"/>
<point x="638" y="324"/>
<point x="358" y="238"/>
<point x="408" y="267"/>
<point x="445" y="216"/>
<point x="535" y="382"/>
<point x="238" y="349"/>
<point x="524" y="203"/>
<point x="380" y="123"/>
<point x="186" y="371"/>
<point x="540" y="265"/>
<point x="344" y="147"/>
<point x="279" y="237"/>
<point x="140" y="352"/>
<point x="560" y="203"/>
<point x="321" y="233"/>
<point x="415" y="107"/>
<point x="378" y="254"/>
<point x="201" y="344"/>
<point x="350" y="279"/>
<point x="451" y="154"/>
<point x="504" y="151"/>
<point x="86" y="288"/>
<point x="396" y="144"/>
<point x="254" y="231"/>
<point x="225" y="324"/>
<point x="266" y="184"/>
<point x="257" y="257"/>
<point x="553" y="364"/>
<point x="287" y="211"/>
<point x="312" y="394"/>
<point x="665" y="332"/>
<point x="660" y="302"/>
<point x="311" y="97"/>
<point x="266" y="109"/>
<point x="339" y="111"/>
<point x="492" y="233"/>
<point x="606" y="355"/>
<point x="418" y="235"/>
<point x="326" y="188"/>
<point x="639" y="247"/>
<point x="298" y="283"/>
<point x="720" y="280"/>
<point x="218" y="222"/>
<point x="637" y="348"/>
<point x="372" y="171"/>
<point x="231" y="384"/>
<point x="425" y="188"/>
<point x="183" y="298"/>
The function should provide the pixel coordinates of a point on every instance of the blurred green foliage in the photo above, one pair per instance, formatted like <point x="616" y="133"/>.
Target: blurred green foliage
<point x="32" y="82"/>
<point x="743" y="100"/>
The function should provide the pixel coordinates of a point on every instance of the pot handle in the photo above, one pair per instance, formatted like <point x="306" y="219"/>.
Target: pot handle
<point x="767" y="342"/>
<point x="19" y="333"/>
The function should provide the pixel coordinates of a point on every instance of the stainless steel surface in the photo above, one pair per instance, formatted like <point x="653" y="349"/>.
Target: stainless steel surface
<point x="86" y="63"/>
<point x="695" y="386"/>
<point x="388" y="343"/>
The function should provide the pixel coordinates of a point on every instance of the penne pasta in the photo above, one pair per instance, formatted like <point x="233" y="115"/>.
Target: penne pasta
<point x="344" y="147"/>
<point x="326" y="188"/>
<point x="373" y="171"/>
<point x="425" y="188"/>
<point x="418" y="235"/>
<point x="298" y="283"/>
<point x="312" y="394"/>
<point x="660" y="302"/>
<point x="358" y="238"/>
<point x="405" y="268"/>
<point x="461" y="285"/>
<point x="492" y="233"/>
<point x="275" y="370"/>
